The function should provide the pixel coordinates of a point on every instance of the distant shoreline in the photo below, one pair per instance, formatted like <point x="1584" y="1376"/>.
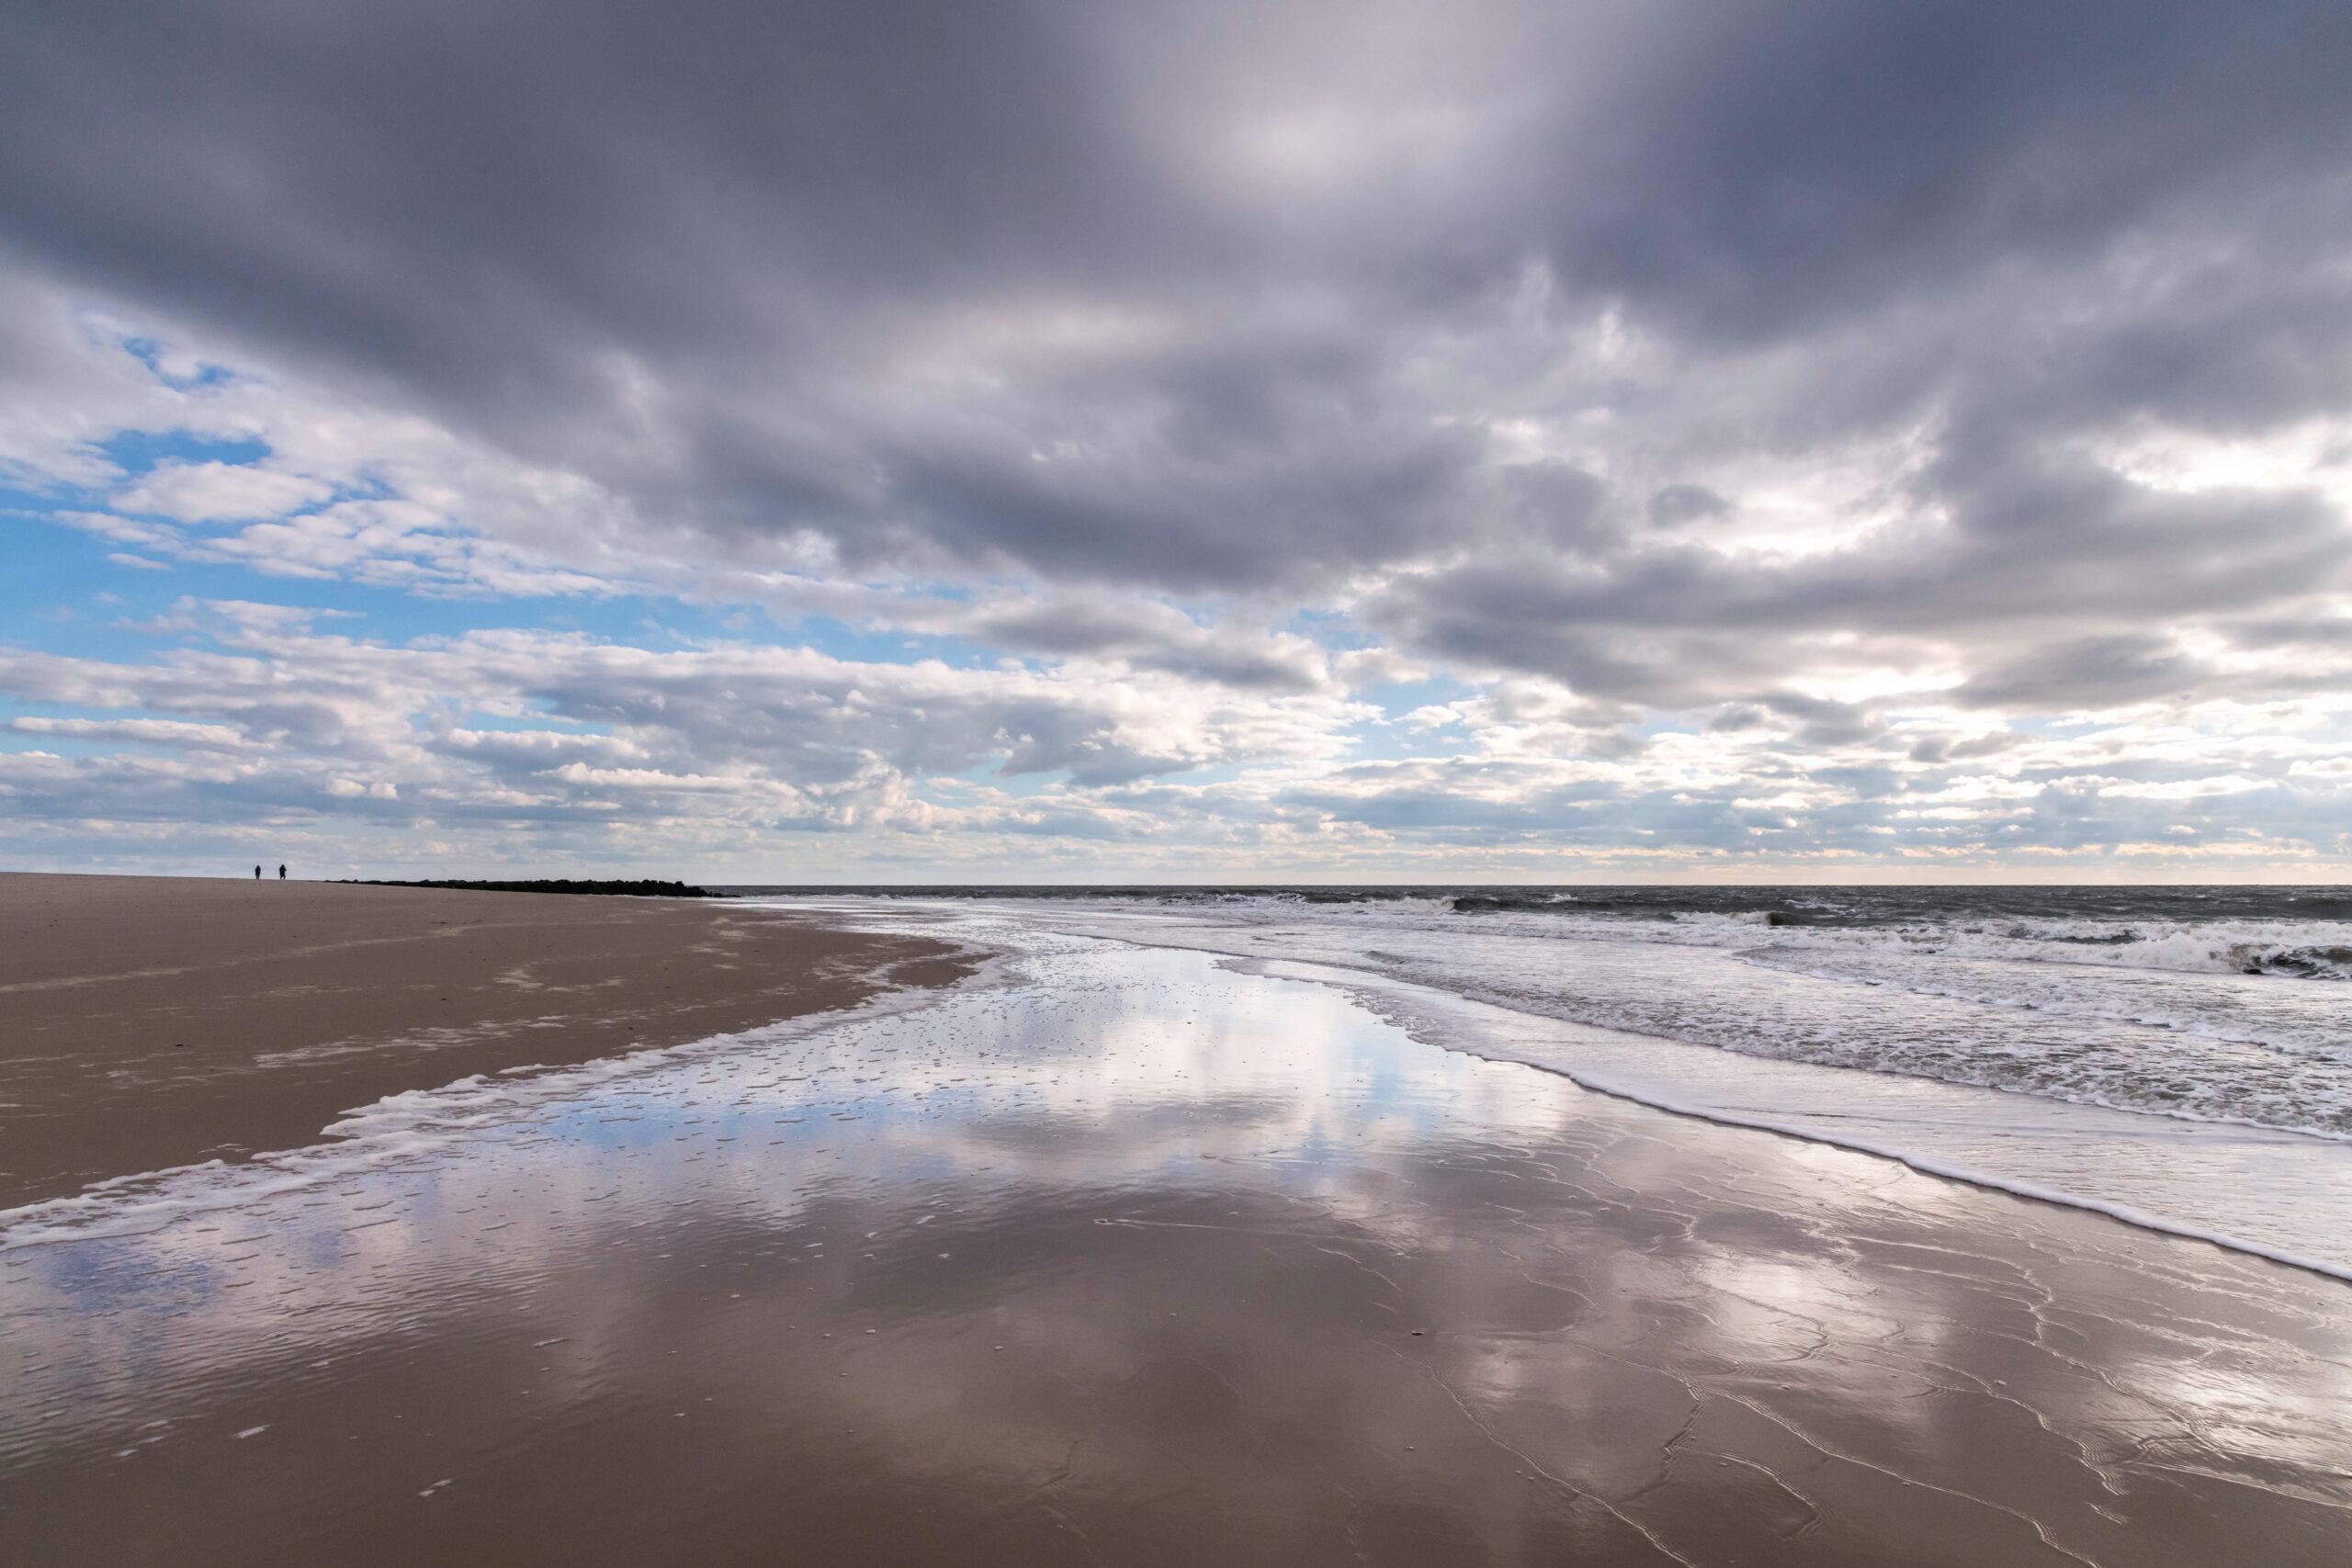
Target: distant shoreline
<point x="637" y="888"/>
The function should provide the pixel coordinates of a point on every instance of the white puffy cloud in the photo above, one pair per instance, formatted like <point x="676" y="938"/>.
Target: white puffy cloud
<point x="264" y="717"/>
<point x="757" y="761"/>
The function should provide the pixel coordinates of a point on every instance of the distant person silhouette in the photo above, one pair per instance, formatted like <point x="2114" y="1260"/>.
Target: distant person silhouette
<point x="257" y="874"/>
<point x="281" y="874"/>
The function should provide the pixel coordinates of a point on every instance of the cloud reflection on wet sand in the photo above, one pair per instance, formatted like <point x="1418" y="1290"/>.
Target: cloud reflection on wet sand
<point x="1145" y="1260"/>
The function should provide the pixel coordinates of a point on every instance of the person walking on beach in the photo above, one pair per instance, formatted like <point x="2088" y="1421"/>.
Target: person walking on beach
<point x="257" y="874"/>
<point x="281" y="874"/>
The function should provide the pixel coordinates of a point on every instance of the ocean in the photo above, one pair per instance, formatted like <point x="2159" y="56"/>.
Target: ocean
<point x="2181" y="1057"/>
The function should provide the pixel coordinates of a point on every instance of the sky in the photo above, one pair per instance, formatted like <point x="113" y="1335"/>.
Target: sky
<point x="959" y="440"/>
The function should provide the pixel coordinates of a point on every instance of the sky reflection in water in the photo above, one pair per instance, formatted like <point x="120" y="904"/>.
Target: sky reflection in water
<point x="1157" y="1260"/>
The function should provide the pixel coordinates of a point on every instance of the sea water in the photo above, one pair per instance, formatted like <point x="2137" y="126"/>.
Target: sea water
<point x="2179" y="1057"/>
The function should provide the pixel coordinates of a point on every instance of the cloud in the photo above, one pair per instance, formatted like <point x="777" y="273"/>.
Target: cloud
<point x="790" y="736"/>
<point x="1675" y="504"/>
<point x="1189" y="299"/>
<point x="2093" y="673"/>
<point x="508" y="746"/>
<point x="1810" y="391"/>
<point x="207" y="492"/>
<point x="136" y="731"/>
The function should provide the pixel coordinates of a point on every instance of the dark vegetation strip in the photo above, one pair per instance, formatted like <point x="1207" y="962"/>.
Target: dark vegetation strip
<point x="640" y="888"/>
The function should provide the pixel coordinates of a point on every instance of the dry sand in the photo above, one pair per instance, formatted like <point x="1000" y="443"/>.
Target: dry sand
<point x="148" y="1021"/>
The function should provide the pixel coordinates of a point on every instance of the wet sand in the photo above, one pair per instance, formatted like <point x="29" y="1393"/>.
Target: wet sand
<point x="155" y="1021"/>
<point x="1143" y="1261"/>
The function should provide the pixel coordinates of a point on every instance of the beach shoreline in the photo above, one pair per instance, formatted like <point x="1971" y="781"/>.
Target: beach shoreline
<point x="1568" y="1000"/>
<point x="152" y="1023"/>
<point x="1144" y="1258"/>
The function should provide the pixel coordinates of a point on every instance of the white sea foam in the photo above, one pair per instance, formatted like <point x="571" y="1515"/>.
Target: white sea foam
<point x="2315" y="949"/>
<point x="2320" y="949"/>
<point x="2199" y="1044"/>
<point x="2298" y="1020"/>
<point x="2270" y="1194"/>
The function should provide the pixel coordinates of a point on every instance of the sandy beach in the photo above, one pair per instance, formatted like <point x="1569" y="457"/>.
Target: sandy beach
<point x="1131" y="1256"/>
<point x="148" y="1021"/>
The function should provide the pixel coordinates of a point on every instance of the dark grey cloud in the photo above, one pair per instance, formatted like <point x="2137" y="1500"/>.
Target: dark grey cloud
<point x="1760" y="164"/>
<point x="1677" y="504"/>
<point x="2092" y="672"/>
<point x="1145" y="636"/>
<point x="1936" y="749"/>
<point x="2032" y="558"/>
<point x="1234" y="301"/>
